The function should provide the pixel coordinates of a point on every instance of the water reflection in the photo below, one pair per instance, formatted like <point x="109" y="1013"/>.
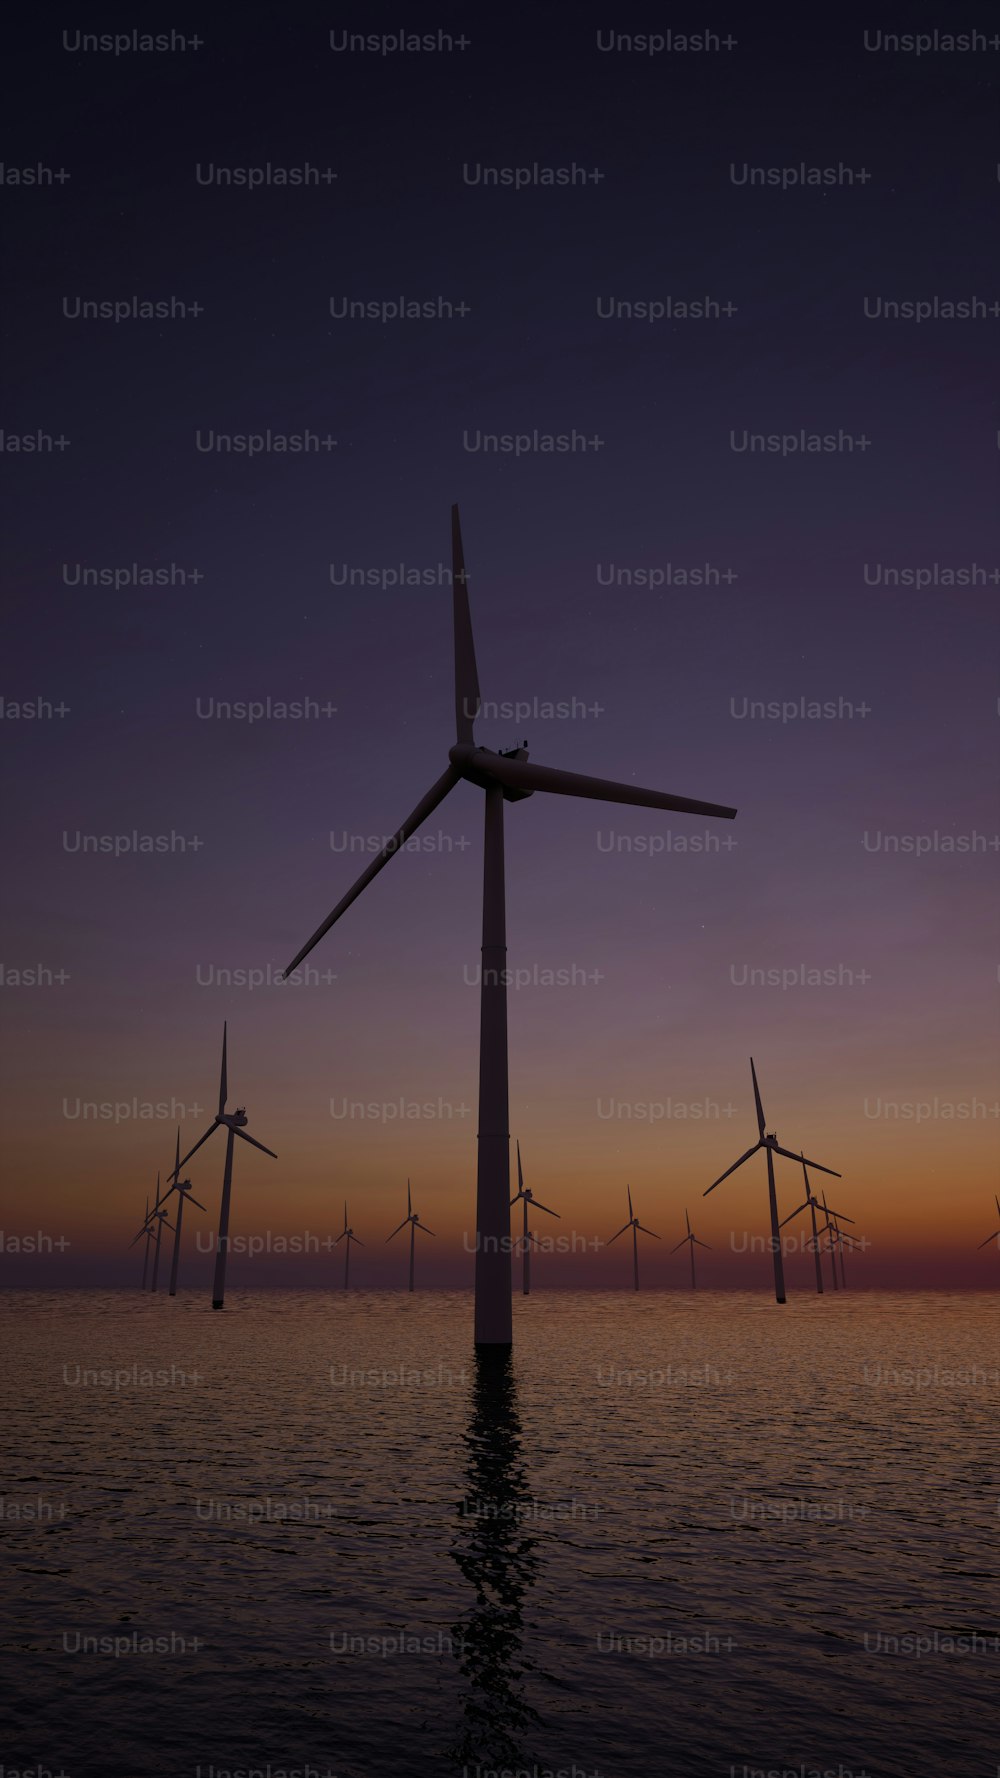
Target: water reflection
<point x="497" y="1556"/>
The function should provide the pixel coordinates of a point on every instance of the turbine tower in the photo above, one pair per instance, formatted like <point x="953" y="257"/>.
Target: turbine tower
<point x="691" y="1242"/>
<point x="153" y="1226"/>
<point x="996" y="1235"/>
<point x="527" y="1197"/>
<point x="503" y="777"/>
<point x="812" y="1204"/>
<point x="837" y="1239"/>
<point x="184" y="1194"/>
<point x="771" y="1146"/>
<point x="350" y="1236"/>
<point x="636" y="1226"/>
<point x="149" y="1237"/>
<point x="415" y="1223"/>
<point x="234" y="1122"/>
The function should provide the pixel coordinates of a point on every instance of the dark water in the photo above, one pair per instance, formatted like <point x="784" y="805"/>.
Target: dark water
<point x="671" y="1536"/>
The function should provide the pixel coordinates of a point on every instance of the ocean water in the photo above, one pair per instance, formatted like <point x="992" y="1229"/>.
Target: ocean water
<point x="673" y="1534"/>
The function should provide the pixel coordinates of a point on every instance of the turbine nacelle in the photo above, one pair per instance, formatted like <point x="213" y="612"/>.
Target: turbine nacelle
<point x="473" y="763"/>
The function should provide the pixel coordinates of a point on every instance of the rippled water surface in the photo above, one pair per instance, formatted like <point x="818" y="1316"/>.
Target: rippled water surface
<point x="676" y="1534"/>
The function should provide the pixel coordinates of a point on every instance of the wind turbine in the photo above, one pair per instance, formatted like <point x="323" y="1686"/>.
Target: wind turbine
<point x="415" y="1223"/>
<point x="636" y="1226"/>
<point x="811" y="1204"/>
<point x="837" y="1239"/>
<point x="157" y="1216"/>
<point x="693" y="1242"/>
<point x="234" y="1122"/>
<point x="149" y="1237"/>
<point x="183" y="1189"/>
<point x="504" y="777"/>
<point x="996" y="1235"/>
<point x="351" y="1236"/>
<point x="528" y="1198"/>
<point x="771" y="1146"/>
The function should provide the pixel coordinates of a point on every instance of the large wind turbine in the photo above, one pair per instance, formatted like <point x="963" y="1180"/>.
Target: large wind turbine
<point x="184" y="1193"/>
<point x="769" y="1143"/>
<point x="636" y="1226"/>
<point x="527" y="1197"/>
<point x="153" y="1226"/>
<point x="811" y="1204"/>
<point x="415" y="1223"/>
<point x="234" y="1122"/>
<point x="691" y="1242"/>
<point x="350" y="1236"/>
<point x="996" y="1235"/>
<point x="504" y="777"/>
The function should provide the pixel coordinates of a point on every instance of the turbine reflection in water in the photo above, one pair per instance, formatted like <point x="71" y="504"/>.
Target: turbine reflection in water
<point x="497" y="1556"/>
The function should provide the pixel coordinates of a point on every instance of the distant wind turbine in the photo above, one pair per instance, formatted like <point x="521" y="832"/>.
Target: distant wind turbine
<point x="637" y="1228"/>
<point x="504" y="777"/>
<point x="184" y="1194"/>
<point x="691" y="1242"/>
<point x="415" y="1223"/>
<point x="234" y="1122"/>
<point x="350" y="1236"/>
<point x="769" y="1143"/>
<point x="154" y="1226"/>
<point x="527" y="1197"/>
<point x="149" y="1237"/>
<point x="996" y="1234"/>
<point x="838" y="1240"/>
<point x="811" y="1204"/>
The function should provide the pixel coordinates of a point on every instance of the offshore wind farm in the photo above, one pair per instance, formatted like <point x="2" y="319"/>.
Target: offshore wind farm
<point x="583" y="439"/>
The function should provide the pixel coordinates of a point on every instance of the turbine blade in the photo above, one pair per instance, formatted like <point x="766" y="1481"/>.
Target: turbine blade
<point x="523" y="774"/>
<point x="789" y="1156"/>
<point x="338" y="1239"/>
<point x="514" y="1201"/>
<point x="706" y="1244"/>
<point x="255" y="1144"/>
<point x="631" y="1212"/>
<point x="756" y="1095"/>
<point x="732" y="1169"/>
<point x="628" y="1225"/>
<point x="409" y="1201"/>
<point x="427" y="1231"/>
<point x="794" y="1214"/>
<point x="520" y="1175"/>
<point x="425" y="807"/>
<point x="147" y="1231"/>
<point x="467" y="699"/>
<point x="840" y="1215"/>
<point x="194" y="1201"/>
<point x="537" y="1206"/>
<point x="680" y="1244"/>
<point x="687" y="1222"/>
<point x="356" y="1239"/>
<point x="985" y="1243"/>
<point x="396" y="1231"/>
<point x="224" y="1077"/>
<point x="645" y="1231"/>
<point x="177" y="1157"/>
<point x="194" y="1150"/>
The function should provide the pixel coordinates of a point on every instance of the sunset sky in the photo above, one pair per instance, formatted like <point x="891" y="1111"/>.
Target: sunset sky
<point x="866" y="844"/>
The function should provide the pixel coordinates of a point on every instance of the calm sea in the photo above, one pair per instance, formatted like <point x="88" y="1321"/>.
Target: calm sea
<point x="675" y="1534"/>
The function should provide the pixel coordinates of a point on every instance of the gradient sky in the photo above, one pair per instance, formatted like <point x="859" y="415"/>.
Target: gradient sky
<point x="656" y="1011"/>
